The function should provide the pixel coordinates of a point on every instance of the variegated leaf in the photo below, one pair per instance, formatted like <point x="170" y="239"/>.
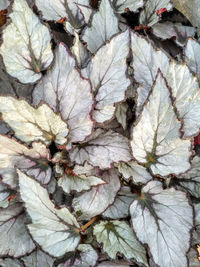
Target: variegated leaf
<point x="8" y="262"/>
<point x="192" y="56"/>
<point x="26" y="47"/>
<point x="37" y="259"/>
<point x="68" y="93"/>
<point x="59" y="225"/>
<point x="163" y="220"/>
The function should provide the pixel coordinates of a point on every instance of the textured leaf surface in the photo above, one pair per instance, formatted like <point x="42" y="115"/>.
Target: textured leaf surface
<point x="33" y="124"/>
<point x="120" y="208"/>
<point x="122" y="5"/>
<point x="88" y="255"/>
<point x="192" y="56"/>
<point x="103" y="26"/>
<point x="96" y="200"/>
<point x="38" y="259"/>
<point x="132" y="170"/>
<point x="156" y="138"/>
<point x="58" y="224"/>
<point x="185" y="89"/>
<point x="103" y="71"/>
<point x="34" y="161"/>
<point x="12" y="220"/>
<point x="117" y="236"/>
<point x="79" y="179"/>
<point x="149" y="15"/>
<point x="26" y="47"/>
<point x="68" y="93"/>
<point x="163" y="219"/>
<point x="109" y="146"/>
<point x="10" y="263"/>
<point x="178" y="31"/>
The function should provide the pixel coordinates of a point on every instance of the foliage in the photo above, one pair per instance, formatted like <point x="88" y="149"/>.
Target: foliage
<point x="100" y="107"/>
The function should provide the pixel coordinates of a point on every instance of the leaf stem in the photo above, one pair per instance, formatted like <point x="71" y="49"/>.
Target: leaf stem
<point x="84" y="227"/>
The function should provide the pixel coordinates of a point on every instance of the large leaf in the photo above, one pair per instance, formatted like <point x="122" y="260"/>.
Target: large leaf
<point x="132" y="170"/>
<point x="95" y="201"/>
<point x="103" y="26"/>
<point x="12" y="227"/>
<point x="149" y="15"/>
<point x="26" y="47"/>
<point x="38" y="259"/>
<point x="59" y="225"/>
<point x="192" y="56"/>
<point x="122" y="5"/>
<point x="163" y="219"/>
<point x="103" y="71"/>
<point x="32" y="124"/>
<point x="156" y="138"/>
<point x="190" y="9"/>
<point x="79" y="179"/>
<point x="102" y="149"/>
<point x="68" y="93"/>
<point x="34" y="161"/>
<point x="117" y="236"/>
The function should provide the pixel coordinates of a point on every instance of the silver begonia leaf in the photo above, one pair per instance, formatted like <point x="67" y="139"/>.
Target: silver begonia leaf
<point x="117" y="236"/>
<point x="86" y="12"/>
<point x="59" y="225"/>
<point x="102" y="72"/>
<point x="120" y="208"/>
<point x="102" y="149"/>
<point x="15" y="240"/>
<point x="33" y="124"/>
<point x="68" y="93"/>
<point x="163" y="219"/>
<point x="95" y="201"/>
<point x="4" y="4"/>
<point x="103" y="26"/>
<point x="178" y="31"/>
<point x="149" y="15"/>
<point x="8" y="262"/>
<point x="156" y="141"/>
<point x="78" y="179"/>
<point x="192" y="56"/>
<point x="122" y="5"/>
<point x="34" y="161"/>
<point x="132" y="170"/>
<point x="4" y="195"/>
<point x="26" y="47"/>
<point x="121" y="116"/>
<point x="37" y="259"/>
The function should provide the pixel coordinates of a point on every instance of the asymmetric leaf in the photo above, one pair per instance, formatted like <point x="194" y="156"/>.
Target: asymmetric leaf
<point x="34" y="161"/>
<point x="96" y="200"/>
<point x="103" y="26"/>
<point x="121" y="5"/>
<point x="186" y="91"/>
<point x="192" y="56"/>
<point x="102" y="72"/>
<point x="12" y="227"/>
<point x="58" y="224"/>
<point x="68" y="93"/>
<point x="132" y="170"/>
<point x="33" y="124"/>
<point x="156" y="138"/>
<point x="38" y="259"/>
<point x="163" y="219"/>
<point x="149" y="15"/>
<point x="117" y="236"/>
<point x="102" y="149"/>
<point x="26" y="47"/>
<point x="79" y="179"/>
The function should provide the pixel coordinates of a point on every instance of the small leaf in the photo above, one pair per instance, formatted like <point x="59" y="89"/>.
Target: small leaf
<point x="102" y="149"/>
<point x="131" y="5"/>
<point x="95" y="201"/>
<point x="102" y="72"/>
<point x="59" y="225"/>
<point x="149" y="15"/>
<point x="163" y="220"/>
<point x="26" y="47"/>
<point x="103" y="26"/>
<point x="156" y="136"/>
<point x="38" y="259"/>
<point x="192" y="56"/>
<point x="68" y="93"/>
<point x="117" y="236"/>
<point x="12" y="227"/>
<point x="34" y="161"/>
<point x="30" y="124"/>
